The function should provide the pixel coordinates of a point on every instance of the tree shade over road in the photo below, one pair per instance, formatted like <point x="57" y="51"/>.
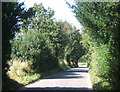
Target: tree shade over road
<point x="72" y="79"/>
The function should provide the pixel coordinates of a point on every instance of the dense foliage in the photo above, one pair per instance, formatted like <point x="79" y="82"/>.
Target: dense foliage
<point x="11" y="13"/>
<point x="101" y="37"/>
<point x="41" y="45"/>
<point x="43" y="40"/>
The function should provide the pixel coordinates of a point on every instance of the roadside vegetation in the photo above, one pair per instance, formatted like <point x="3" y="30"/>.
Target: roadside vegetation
<point x="101" y="36"/>
<point x="35" y="45"/>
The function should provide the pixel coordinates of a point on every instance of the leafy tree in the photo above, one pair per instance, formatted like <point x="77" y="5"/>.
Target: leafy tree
<point x="74" y="49"/>
<point x="101" y="23"/>
<point x="11" y="12"/>
<point x="42" y="20"/>
<point x="10" y="16"/>
<point x="33" y="36"/>
<point x="39" y="38"/>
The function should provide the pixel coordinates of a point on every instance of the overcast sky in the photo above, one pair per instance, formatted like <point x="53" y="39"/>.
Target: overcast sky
<point x="62" y="12"/>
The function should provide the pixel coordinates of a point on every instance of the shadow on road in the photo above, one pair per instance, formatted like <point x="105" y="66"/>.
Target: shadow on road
<point x="82" y="67"/>
<point x="77" y="70"/>
<point x="65" y="77"/>
<point x="59" y="89"/>
<point x="71" y="73"/>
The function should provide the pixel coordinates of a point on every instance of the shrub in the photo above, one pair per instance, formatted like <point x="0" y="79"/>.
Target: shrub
<point x="34" y="46"/>
<point x="21" y="71"/>
<point x="29" y="45"/>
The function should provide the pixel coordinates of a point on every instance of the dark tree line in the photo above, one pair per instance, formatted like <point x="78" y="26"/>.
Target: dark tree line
<point x="10" y="16"/>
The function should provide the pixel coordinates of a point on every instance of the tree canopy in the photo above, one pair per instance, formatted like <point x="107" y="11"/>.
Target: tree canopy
<point x="101" y="36"/>
<point x="37" y="42"/>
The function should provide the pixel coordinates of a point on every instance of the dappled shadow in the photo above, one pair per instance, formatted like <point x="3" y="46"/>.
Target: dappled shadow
<point x="72" y="74"/>
<point x="85" y="71"/>
<point x="65" y="77"/>
<point x="69" y="74"/>
<point x="58" y="88"/>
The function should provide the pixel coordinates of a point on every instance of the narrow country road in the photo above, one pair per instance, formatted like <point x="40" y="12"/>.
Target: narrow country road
<point x="72" y="79"/>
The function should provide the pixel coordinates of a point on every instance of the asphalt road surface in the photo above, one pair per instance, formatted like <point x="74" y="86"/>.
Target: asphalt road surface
<point x="72" y="79"/>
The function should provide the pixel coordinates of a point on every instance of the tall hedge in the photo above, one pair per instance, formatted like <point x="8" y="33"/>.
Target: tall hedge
<point x="101" y="21"/>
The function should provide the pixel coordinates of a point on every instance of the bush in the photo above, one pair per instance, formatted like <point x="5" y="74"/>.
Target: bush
<point x="34" y="46"/>
<point x="21" y="71"/>
<point x="29" y="45"/>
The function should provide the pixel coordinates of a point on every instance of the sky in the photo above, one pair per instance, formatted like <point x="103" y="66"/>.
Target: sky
<point x="62" y="12"/>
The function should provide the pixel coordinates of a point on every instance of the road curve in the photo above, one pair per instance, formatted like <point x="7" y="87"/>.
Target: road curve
<point x="72" y="79"/>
